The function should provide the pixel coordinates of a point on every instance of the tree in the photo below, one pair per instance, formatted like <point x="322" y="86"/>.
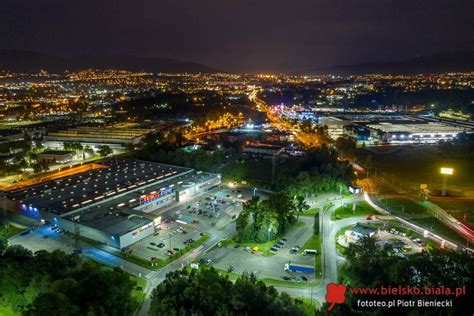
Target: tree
<point x="261" y="221"/>
<point x="316" y="223"/>
<point x="53" y="304"/>
<point x="368" y="264"/>
<point x="300" y="205"/>
<point x="104" y="150"/>
<point x="206" y="292"/>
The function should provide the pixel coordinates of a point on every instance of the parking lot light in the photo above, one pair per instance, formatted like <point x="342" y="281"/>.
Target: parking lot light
<point x="445" y="171"/>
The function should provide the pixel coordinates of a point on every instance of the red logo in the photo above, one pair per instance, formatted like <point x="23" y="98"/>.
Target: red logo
<point x="335" y="294"/>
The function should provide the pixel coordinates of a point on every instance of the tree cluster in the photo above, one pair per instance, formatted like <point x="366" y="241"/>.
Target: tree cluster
<point x="54" y="283"/>
<point x="373" y="266"/>
<point x="262" y="221"/>
<point x="199" y="159"/>
<point x="206" y="292"/>
<point x="319" y="171"/>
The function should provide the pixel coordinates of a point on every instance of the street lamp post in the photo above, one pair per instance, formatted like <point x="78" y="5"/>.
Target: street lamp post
<point x="445" y="172"/>
<point x="254" y="191"/>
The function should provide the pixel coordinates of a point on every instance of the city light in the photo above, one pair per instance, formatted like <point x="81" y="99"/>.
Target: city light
<point x="447" y="171"/>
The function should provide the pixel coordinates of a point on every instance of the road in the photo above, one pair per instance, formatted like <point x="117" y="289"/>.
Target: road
<point x="428" y="234"/>
<point x="307" y="139"/>
<point x="331" y="258"/>
<point x="156" y="277"/>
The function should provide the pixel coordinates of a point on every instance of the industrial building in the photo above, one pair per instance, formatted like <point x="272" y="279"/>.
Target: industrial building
<point x="115" y="137"/>
<point x="414" y="131"/>
<point x="117" y="203"/>
<point x="56" y="156"/>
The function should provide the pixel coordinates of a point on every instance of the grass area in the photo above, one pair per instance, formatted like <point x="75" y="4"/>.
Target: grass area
<point x="309" y="307"/>
<point x="404" y="206"/>
<point x="314" y="243"/>
<point x="138" y="293"/>
<point x="409" y="166"/>
<point x="231" y="275"/>
<point x="433" y="224"/>
<point x="189" y="247"/>
<point x="6" y="311"/>
<point x="7" y="232"/>
<point x="311" y="212"/>
<point x="458" y="208"/>
<point x="362" y="209"/>
<point x="279" y="282"/>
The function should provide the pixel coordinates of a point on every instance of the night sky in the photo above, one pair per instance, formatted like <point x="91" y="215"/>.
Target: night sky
<point x="241" y="35"/>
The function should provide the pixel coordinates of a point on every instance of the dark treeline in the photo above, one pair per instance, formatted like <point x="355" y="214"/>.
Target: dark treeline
<point x="205" y="292"/>
<point x="318" y="171"/>
<point x="199" y="159"/>
<point x="55" y="283"/>
<point x="158" y="105"/>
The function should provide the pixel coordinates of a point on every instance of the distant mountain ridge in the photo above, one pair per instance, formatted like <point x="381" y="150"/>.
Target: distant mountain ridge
<point x="28" y="61"/>
<point x="461" y="61"/>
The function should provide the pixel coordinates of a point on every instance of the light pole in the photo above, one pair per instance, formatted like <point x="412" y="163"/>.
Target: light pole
<point x="354" y="191"/>
<point x="268" y="232"/>
<point x="254" y="191"/>
<point x="445" y="172"/>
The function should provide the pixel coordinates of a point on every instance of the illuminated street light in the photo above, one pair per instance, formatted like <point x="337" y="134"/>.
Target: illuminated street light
<point x="445" y="172"/>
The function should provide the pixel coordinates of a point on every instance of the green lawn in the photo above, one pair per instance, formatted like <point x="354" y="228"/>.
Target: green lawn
<point x="138" y="291"/>
<point x="411" y="166"/>
<point x="277" y="282"/>
<point x="457" y="208"/>
<point x="309" y="306"/>
<point x="432" y="223"/>
<point x="314" y="243"/>
<point x="11" y="230"/>
<point x="6" y="311"/>
<point x="362" y="209"/>
<point x="311" y="212"/>
<point x="404" y="206"/>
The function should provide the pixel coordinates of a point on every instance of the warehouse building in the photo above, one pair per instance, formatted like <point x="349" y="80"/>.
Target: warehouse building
<point x="117" y="204"/>
<point x="115" y="137"/>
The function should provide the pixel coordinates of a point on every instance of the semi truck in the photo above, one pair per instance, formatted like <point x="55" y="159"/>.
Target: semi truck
<point x="295" y="267"/>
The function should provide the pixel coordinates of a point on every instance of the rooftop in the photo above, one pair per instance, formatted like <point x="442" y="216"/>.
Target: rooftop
<point x="66" y="194"/>
<point x="363" y="229"/>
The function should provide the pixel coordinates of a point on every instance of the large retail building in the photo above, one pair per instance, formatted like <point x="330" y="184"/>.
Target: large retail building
<point x="117" y="203"/>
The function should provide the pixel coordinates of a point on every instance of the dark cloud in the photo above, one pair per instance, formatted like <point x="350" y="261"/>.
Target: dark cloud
<point x="241" y="35"/>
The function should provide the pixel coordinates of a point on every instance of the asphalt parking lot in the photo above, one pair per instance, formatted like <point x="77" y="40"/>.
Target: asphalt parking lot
<point x="171" y="238"/>
<point x="241" y="259"/>
<point x="214" y="209"/>
<point x="43" y="238"/>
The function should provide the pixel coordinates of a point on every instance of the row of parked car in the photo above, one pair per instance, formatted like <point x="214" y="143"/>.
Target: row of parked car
<point x="279" y="245"/>
<point x="300" y="278"/>
<point x="396" y="232"/>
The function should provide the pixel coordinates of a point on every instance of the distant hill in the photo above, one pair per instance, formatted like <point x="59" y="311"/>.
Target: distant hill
<point x="27" y="61"/>
<point x="443" y="62"/>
